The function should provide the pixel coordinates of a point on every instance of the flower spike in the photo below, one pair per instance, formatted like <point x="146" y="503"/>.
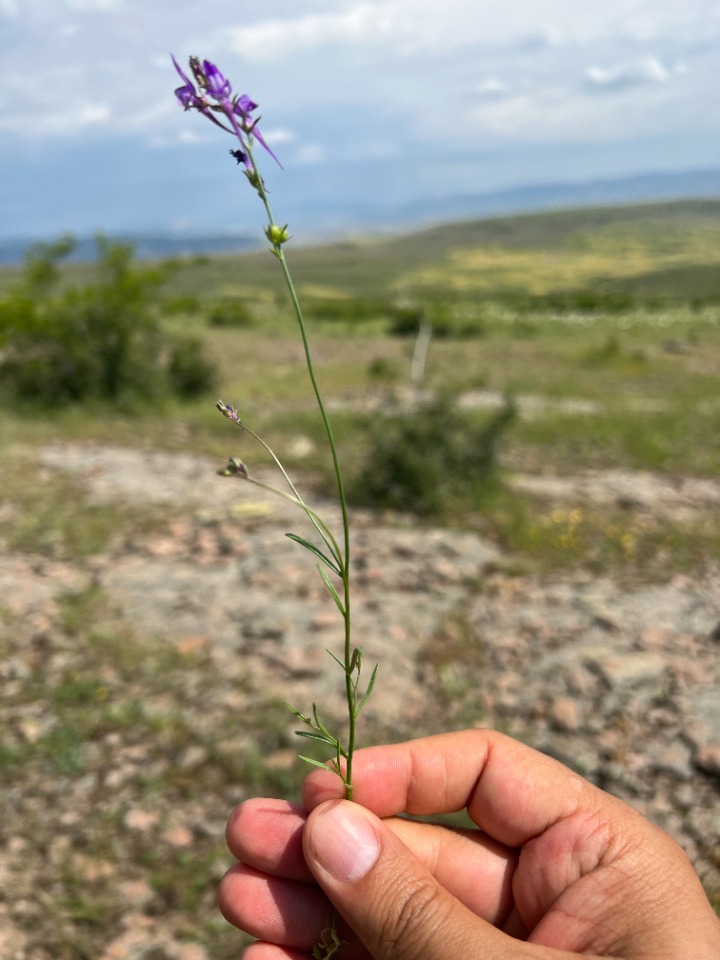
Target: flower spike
<point x="213" y="94"/>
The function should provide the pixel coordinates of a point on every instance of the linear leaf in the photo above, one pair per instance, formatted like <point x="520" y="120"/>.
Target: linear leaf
<point x="371" y="684"/>
<point x="316" y="763"/>
<point x="319" y="725"/>
<point x="300" y="716"/>
<point x="316" y="736"/>
<point x="313" y="549"/>
<point x="331" y="588"/>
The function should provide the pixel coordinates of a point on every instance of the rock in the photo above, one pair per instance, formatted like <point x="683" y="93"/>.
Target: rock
<point x="674" y="758"/>
<point x="707" y="759"/>
<point x="140" y="820"/>
<point x="178" y="836"/>
<point x="629" y="670"/>
<point x="137" y="893"/>
<point x="564" y="714"/>
<point x="703" y="716"/>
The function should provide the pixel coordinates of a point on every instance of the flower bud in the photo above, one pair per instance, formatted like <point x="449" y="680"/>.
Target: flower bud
<point x="227" y="410"/>
<point x="277" y="235"/>
<point x="234" y="468"/>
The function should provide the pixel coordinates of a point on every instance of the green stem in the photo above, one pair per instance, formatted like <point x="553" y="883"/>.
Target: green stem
<point x="312" y="516"/>
<point x="345" y="565"/>
<point x="321" y="528"/>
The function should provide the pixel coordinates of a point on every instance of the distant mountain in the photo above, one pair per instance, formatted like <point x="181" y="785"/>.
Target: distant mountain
<point x="147" y="246"/>
<point x="554" y="196"/>
<point x="338" y="218"/>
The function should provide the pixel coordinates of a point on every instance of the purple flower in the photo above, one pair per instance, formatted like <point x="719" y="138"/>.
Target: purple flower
<point x="186" y="94"/>
<point x="215" y="83"/>
<point x="244" y="106"/>
<point x="213" y="86"/>
<point x="227" y="410"/>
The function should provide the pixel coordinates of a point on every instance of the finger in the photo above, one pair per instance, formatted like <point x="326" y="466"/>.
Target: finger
<point x="267" y="836"/>
<point x="283" y="912"/>
<point x="287" y="917"/>
<point x="510" y="790"/>
<point x="477" y="870"/>
<point x="270" y="951"/>
<point x="394" y="905"/>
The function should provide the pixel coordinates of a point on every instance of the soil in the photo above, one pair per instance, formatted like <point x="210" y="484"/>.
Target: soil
<point x="618" y="680"/>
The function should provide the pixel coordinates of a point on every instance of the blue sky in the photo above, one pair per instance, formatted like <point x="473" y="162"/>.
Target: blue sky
<point x="372" y="105"/>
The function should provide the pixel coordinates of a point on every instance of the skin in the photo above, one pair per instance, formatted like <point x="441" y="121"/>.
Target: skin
<point x="556" y="869"/>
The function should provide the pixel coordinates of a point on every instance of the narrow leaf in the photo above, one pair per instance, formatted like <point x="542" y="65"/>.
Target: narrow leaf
<point x="300" y="716"/>
<point x="371" y="684"/>
<point x="313" y="549"/>
<point x="331" y="588"/>
<point x="316" y="763"/>
<point x="337" y="660"/>
<point x="321" y="726"/>
<point x="316" y="736"/>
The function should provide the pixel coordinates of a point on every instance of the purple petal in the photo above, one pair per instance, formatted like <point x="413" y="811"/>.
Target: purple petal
<point x="186" y="96"/>
<point x="244" y="106"/>
<point x="261" y="140"/>
<point x="217" y="86"/>
<point x="187" y="81"/>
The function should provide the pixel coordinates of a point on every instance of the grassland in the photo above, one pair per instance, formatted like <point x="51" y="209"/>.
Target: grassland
<point x="603" y="324"/>
<point x="606" y="322"/>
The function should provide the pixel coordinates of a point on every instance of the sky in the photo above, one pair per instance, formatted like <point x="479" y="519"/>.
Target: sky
<point x="373" y="106"/>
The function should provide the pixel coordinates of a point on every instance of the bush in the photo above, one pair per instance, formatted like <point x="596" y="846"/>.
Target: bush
<point x="433" y="462"/>
<point x="406" y="320"/>
<point x="346" y="309"/>
<point x="99" y="341"/>
<point x="190" y="372"/>
<point x="382" y="370"/>
<point x="230" y="312"/>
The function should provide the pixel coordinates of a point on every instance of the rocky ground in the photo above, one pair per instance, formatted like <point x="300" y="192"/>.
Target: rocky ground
<point x="618" y="680"/>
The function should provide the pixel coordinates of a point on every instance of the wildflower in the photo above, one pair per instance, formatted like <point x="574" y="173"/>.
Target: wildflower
<point x="228" y="411"/>
<point x="212" y="95"/>
<point x="235" y="468"/>
<point x="215" y="83"/>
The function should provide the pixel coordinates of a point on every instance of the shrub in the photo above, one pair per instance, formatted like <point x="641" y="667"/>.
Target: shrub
<point x="230" y="312"/>
<point x="100" y="341"/>
<point x="433" y="462"/>
<point x="187" y="304"/>
<point x="190" y="371"/>
<point x="347" y="309"/>
<point x="382" y="370"/>
<point x="406" y="320"/>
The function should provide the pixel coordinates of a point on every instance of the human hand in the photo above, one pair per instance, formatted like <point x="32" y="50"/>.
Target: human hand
<point x="558" y="869"/>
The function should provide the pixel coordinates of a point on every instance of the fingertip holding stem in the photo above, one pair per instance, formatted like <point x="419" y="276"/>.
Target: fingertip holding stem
<point x="343" y="840"/>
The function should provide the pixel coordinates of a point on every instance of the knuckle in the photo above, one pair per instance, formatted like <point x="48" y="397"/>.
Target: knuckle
<point x="418" y="910"/>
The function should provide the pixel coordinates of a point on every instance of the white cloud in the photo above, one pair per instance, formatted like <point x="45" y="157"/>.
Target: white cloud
<point x="267" y="39"/>
<point x="92" y="5"/>
<point x="417" y="26"/>
<point x="310" y="154"/>
<point x="9" y="8"/>
<point x="278" y="135"/>
<point x="627" y="75"/>
<point x="59" y="123"/>
<point x="493" y="89"/>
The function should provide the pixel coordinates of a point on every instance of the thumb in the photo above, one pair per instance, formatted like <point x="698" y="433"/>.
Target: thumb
<point x="391" y="901"/>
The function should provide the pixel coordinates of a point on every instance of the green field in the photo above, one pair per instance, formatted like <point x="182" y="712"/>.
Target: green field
<point x="601" y="326"/>
<point x="603" y="323"/>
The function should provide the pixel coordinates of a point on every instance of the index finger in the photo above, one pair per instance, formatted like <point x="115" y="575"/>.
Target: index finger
<point x="509" y="790"/>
